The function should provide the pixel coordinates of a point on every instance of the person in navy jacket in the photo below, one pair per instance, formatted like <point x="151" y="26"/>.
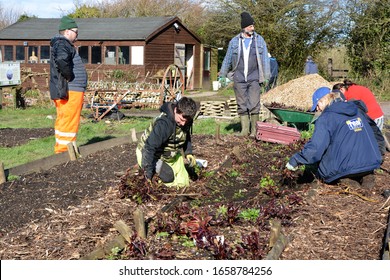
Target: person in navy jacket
<point x="343" y="144"/>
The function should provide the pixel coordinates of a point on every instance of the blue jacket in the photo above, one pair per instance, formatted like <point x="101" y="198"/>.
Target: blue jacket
<point x="343" y="143"/>
<point x="233" y="56"/>
<point x="311" y="67"/>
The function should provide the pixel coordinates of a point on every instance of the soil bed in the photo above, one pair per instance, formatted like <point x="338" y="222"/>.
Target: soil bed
<point x="69" y="210"/>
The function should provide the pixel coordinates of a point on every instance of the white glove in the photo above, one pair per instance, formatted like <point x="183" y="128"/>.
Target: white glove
<point x="290" y="167"/>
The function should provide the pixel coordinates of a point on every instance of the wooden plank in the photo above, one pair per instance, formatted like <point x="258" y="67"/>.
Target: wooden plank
<point x="124" y="230"/>
<point x="139" y="223"/>
<point x="278" y="248"/>
<point x="3" y="178"/>
<point x="57" y="159"/>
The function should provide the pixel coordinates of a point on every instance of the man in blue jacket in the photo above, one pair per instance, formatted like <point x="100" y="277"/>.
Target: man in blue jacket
<point x="274" y="66"/>
<point x="248" y="65"/>
<point x="310" y="66"/>
<point x="343" y="142"/>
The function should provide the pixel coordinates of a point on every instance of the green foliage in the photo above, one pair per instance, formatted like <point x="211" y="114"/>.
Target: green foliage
<point x="250" y="214"/>
<point x="307" y="134"/>
<point x="222" y="211"/>
<point x="266" y="182"/>
<point x="115" y="253"/>
<point x="86" y="11"/>
<point x="369" y="40"/>
<point x="233" y="173"/>
<point x="238" y="194"/>
<point x="186" y="241"/>
<point x="162" y="234"/>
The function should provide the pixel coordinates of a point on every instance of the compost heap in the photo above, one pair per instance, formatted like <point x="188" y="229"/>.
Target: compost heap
<point x="296" y="93"/>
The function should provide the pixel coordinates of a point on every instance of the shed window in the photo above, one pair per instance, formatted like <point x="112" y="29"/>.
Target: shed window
<point x="123" y="55"/>
<point x="96" y="55"/>
<point x="137" y="55"/>
<point x="20" y="56"/>
<point x="8" y="53"/>
<point x="83" y="52"/>
<point x="207" y="60"/>
<point x="110" y="55"/>
<point x="32" y="54"/>
<point x="45" y="54"/>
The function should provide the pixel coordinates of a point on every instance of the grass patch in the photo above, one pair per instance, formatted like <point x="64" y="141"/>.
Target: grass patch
<point x="27" y="118"/>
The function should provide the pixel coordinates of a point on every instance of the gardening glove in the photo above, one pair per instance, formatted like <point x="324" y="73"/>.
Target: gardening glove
<point x="222" y="80"/>
<point x="191" y="160"/>
<point x="290" y="167"/>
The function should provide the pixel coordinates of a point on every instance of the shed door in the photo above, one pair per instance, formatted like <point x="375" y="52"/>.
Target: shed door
<point x="180" y="57"/>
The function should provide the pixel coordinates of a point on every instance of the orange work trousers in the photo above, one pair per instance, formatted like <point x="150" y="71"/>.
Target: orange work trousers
<point x="68" y="120"/>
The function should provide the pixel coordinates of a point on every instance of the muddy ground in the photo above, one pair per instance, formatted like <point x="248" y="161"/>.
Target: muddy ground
<point x="69" y="210"/>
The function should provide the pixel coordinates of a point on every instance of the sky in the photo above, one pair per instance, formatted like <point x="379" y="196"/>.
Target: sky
<point x="40" y="8"/>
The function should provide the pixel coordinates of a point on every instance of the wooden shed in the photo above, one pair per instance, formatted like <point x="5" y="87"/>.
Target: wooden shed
<point x="142" y="47"/>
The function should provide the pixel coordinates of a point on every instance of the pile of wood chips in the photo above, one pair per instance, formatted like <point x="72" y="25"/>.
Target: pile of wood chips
<point x="296" y="93"/>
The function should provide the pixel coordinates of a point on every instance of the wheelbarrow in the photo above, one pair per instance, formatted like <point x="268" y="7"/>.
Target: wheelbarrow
<point x="288" y="117"/>
<point x="276" y="129"/>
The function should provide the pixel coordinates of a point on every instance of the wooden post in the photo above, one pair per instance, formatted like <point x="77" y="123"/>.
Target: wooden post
<point x="217" y="133"/>
<point x="139" y="223"/>
<point x="3" y="179"/>
<point x="133" y="135"/>
<point x="71" y="152"/>
<point x="1" y="98"/>
<point x="124" y="230"/>
<point x="330" y="67"/>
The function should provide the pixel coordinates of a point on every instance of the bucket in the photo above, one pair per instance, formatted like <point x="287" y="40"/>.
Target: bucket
<point x="111" y="54"/>
<point x="215" y="85"/>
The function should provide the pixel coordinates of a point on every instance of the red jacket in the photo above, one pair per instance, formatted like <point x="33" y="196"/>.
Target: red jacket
<point x="362" y="93"/>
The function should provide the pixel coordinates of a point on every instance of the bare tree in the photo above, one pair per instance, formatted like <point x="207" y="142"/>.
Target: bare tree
<point x="8" y="16"/>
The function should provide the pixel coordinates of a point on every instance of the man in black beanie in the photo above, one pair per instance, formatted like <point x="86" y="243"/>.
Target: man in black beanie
<point x="246" y="63"/>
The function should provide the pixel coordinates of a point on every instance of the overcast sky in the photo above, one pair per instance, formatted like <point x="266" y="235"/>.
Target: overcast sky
<point x="40" y="8"/>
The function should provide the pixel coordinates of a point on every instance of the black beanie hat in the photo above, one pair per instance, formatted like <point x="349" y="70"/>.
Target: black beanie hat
<point x="246" y="20"/>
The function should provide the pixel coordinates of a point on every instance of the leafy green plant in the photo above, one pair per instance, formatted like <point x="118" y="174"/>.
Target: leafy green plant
<point x="12" y="177"/>
<point x="208" y="173"/>
<point x="250" y="214"/>
<point x="115" y="253"/>
<point x="266" y="182"/>
<point x="162" y="234"/>
<point x="233" y="173"/>
<point x="238" y="194"/>
<point x="222" y="211"/>
<point x="186" y="241"/>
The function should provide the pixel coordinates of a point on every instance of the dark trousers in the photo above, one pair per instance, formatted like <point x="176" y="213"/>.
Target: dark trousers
<point x="247" y="97"/>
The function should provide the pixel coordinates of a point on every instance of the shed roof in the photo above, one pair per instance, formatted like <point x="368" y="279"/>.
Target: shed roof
<point x="126" y="29"/>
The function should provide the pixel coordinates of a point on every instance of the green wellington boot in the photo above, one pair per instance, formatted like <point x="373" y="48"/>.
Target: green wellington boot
<point x="244" y="125"/>
<point x="254" y="120"/>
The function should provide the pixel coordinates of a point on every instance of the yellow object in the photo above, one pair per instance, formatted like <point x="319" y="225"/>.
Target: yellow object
<point x="191" y="160"/>
<point x="179" y="171"/>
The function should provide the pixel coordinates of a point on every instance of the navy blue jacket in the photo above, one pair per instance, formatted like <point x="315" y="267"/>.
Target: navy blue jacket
<point x="343" y="143"/>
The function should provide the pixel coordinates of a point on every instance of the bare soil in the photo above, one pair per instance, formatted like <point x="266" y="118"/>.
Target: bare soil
<point x="69" y="210"/>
